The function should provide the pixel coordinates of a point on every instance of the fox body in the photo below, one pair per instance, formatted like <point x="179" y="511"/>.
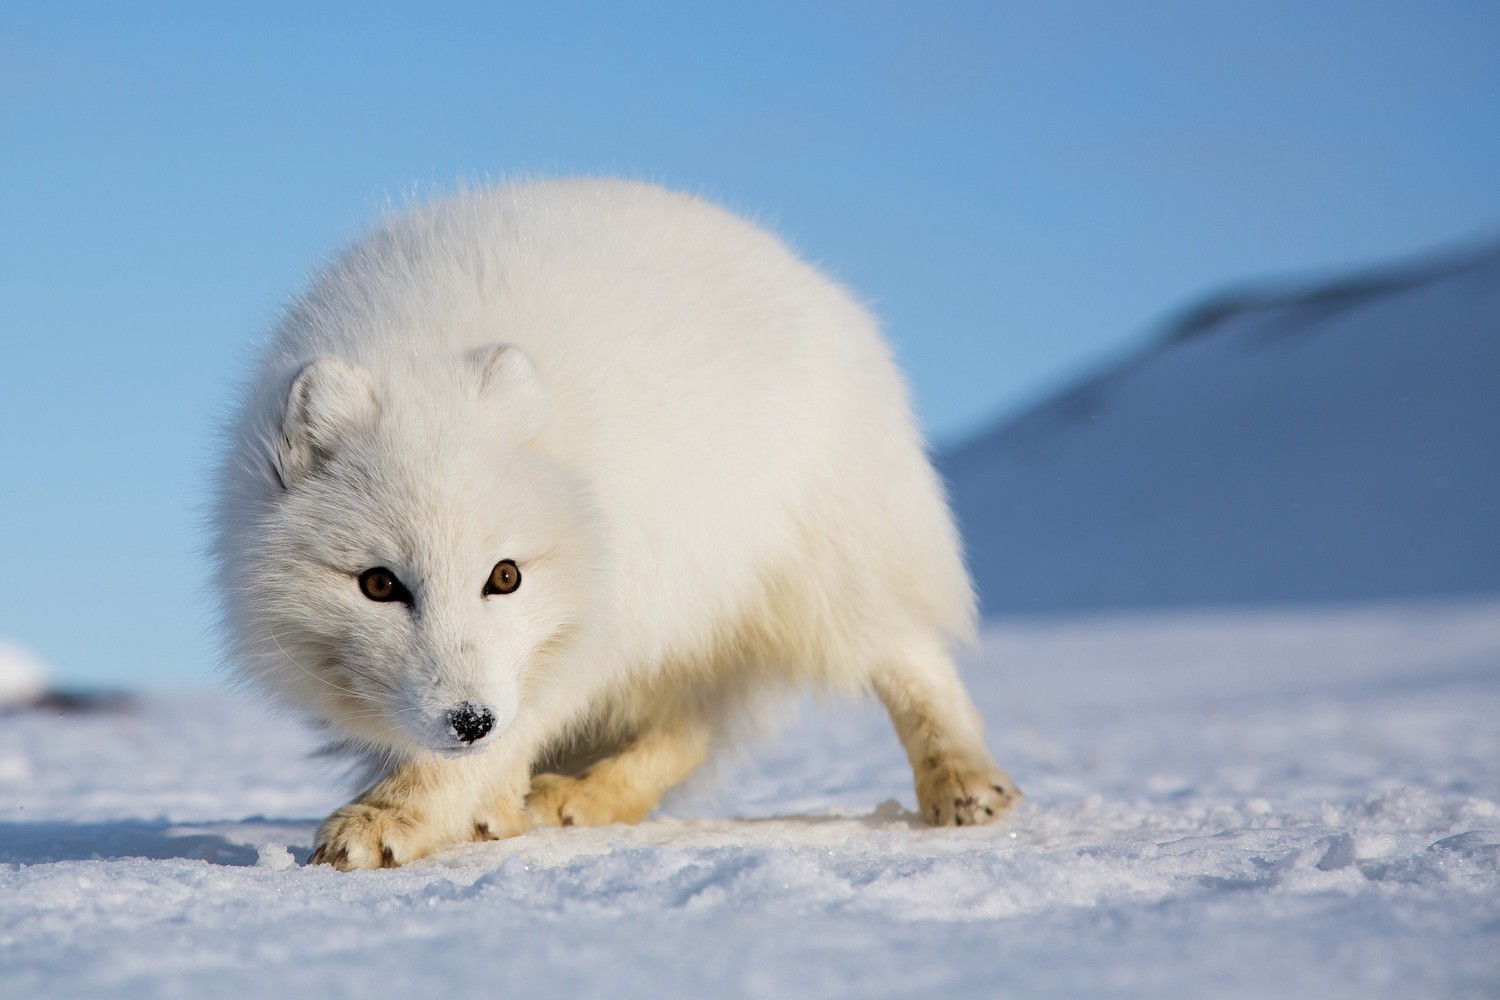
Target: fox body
<point x="536" y="488"/>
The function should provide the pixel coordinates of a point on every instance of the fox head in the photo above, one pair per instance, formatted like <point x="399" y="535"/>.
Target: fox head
<point x="415" y="555"/>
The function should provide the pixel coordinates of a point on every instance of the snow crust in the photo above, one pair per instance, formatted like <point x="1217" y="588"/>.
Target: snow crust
<point x="1268" y="803"/>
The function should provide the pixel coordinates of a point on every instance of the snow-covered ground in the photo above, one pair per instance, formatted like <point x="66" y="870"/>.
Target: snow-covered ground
<point x="1286" y="794"/>
<point x="1247" y="804"/>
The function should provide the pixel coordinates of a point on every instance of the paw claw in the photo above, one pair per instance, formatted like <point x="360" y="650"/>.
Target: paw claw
<point x="964" y="793"/>
<point x="364" y="836"/>
<point x="558" y="800"/>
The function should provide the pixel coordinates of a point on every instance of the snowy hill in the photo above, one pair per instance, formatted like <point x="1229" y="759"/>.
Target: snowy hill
<point x="1330" y="445"/>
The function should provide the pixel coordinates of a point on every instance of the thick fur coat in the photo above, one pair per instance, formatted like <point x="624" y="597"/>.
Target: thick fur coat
<point x="691" y="449"/>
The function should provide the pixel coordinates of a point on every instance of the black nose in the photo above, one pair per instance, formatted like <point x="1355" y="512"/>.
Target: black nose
<point x="470" y="722"/>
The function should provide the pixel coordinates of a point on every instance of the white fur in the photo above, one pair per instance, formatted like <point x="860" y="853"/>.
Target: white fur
<point x="695" y="446"/>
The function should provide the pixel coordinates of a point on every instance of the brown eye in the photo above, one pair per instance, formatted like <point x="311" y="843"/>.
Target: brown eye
<point x="504" y="578"/>
<point x="380" y="584"/>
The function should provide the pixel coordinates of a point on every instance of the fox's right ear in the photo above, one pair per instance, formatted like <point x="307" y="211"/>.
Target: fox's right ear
<point x="329" y="399"/>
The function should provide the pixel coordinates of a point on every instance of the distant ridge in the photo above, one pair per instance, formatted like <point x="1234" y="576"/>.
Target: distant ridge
<point x="1337" y="442"/>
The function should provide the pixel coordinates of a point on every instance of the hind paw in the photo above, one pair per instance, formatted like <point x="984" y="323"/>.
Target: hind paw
<point x="954" y="794"/>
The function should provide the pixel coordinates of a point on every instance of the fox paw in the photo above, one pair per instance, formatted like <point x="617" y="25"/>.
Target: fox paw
<point x="364" y="836"/>
<point x="502" y="820"/>
<point x="557" y="800"/>
<point x="954" y="794"/>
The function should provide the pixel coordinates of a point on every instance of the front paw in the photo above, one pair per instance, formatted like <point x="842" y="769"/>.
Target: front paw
<point x="557" y="800"/>
<point x="952" y="793"/>
<point x="503" y="818"/>
<point x="366" y="836"/>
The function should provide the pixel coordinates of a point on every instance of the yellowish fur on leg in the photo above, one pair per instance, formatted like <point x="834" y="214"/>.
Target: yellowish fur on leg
<point x="624" y="788"/>
<point x="503" y="817"/>
<point x="957" y="782"/>
<point x="960" y="793"/>
<point x="421" y="807"/>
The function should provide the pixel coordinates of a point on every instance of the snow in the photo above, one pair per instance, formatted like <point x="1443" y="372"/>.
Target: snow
<point x="22" y="675"/>
<point x="1255" y="708"/>
<point x="1331" y="444"/>
<point x="1234" y="804"/>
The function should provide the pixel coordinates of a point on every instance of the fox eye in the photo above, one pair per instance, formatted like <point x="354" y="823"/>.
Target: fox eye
<point x="504" y="578"/>
<point x="380" y="584"/>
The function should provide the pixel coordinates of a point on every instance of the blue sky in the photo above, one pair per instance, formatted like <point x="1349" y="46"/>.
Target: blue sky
<point x="1018" y="189"/>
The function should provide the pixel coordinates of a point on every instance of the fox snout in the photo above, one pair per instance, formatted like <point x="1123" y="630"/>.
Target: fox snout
<point x="470" y="722"/>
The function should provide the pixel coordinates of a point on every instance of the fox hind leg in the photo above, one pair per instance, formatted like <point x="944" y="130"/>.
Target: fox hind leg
<point x="957" y="781"/>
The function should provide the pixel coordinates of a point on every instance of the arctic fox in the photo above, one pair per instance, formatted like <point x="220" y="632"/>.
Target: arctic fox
<point x="535" y="489"/>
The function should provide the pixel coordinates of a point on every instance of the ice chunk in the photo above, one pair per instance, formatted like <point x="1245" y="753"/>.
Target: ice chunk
<point x="275" y="857"/>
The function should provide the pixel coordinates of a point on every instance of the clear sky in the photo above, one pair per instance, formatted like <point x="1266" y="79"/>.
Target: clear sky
<point x="1018" y="189"/>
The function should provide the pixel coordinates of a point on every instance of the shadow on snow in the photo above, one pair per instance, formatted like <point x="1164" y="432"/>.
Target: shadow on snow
<point x="156" y="840"/>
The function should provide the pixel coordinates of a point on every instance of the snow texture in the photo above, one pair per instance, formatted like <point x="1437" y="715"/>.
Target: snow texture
<point x="22" y="676"/>
<point x="1255" y="804"/>
<point x="1231" y="803"/>
<point x="1324" y="445"/>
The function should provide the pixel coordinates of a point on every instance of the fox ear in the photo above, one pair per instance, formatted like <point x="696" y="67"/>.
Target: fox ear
<point x="329" y="399"/>
<point x="507" y="378"/>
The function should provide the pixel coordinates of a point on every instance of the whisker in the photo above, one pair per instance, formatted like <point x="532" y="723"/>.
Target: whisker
<point x="317" y="677"/>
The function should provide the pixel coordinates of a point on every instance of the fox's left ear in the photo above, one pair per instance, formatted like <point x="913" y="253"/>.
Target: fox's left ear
<point x="507" y="378"/>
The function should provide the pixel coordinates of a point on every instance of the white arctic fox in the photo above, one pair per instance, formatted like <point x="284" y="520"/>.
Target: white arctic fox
<point x="535" y="488"/>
